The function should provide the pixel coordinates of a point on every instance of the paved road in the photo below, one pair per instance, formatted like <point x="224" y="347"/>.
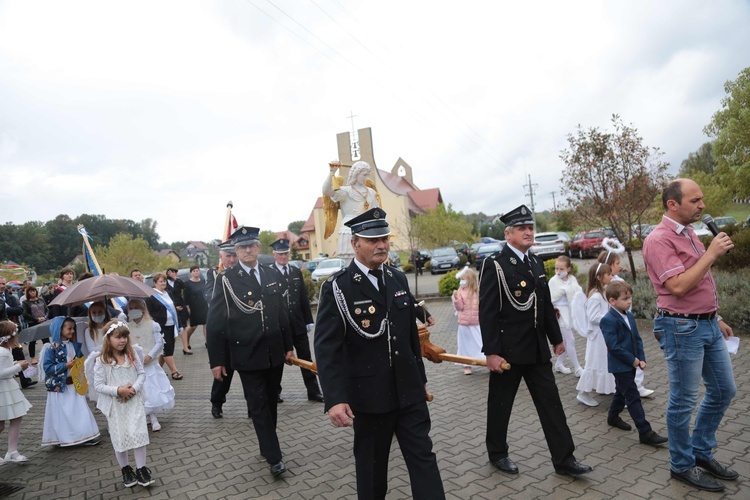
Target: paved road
<point x="195" y="456"/>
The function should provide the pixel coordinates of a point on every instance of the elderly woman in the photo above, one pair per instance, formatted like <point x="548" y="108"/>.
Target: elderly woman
<point x="35" y="311"/>
<point x="162" y="310"/>
<point x="196" y="305"/>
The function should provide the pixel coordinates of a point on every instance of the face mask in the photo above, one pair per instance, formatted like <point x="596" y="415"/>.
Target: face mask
<point x="562" y="274"/>
<point x="462" y="282"/>
<point x="135" y="314"/>
<point x="98" y="318"/>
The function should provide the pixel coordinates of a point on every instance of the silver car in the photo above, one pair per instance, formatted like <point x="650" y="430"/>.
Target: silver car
<point x="548" y="245"/>
<point x="327" y="268"/>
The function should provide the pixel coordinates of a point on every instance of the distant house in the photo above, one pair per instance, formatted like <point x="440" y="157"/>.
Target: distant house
<point x="168" y="252"/>
<point x="195" y="251"/>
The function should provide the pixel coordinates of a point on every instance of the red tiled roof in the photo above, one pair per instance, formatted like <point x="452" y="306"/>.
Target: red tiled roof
<point x="198" y="244"/>
<point x="426" y="199"/>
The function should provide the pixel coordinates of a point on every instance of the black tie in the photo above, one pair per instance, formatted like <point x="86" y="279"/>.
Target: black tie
<point x="378" y="273"/>
<point x="286" y="273"/>
<point x="253" y="278"/>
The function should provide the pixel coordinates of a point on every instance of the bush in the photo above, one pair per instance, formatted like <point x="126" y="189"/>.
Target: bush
<point x="549" y="268"/>
<point x="463" y="259"/>
<point x="427" y="265"/>
<point x="448" y="283"/>
<point x="636" y="244"/>
<point x="313" y="289"/>
<point x="739" y="257"/>
<point x="408" y="268"/>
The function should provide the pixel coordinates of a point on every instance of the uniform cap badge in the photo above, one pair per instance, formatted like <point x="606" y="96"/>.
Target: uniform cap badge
<point x="376" y="214"/>
<point x="523" y="210"/>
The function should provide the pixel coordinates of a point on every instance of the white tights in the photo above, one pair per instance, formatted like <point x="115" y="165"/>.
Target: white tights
<point x="14" y="432"/>
<point x="570" y="348"/>
<point x="138" y="453"/>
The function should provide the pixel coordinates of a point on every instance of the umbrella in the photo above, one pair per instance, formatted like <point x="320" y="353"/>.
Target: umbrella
<point x="100" y="288"/>
<point x="41" y="331"/>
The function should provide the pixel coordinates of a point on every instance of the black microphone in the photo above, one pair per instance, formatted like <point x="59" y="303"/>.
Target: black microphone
<point x="711" y="225"/>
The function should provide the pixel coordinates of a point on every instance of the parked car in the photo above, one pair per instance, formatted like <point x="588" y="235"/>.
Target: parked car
<point x="725" y="221"/>
<point x="296" y="263"/>
<point x="747" y="222"/>
<point x="701" y="230"/>
<point x="444" y="259"/>
<point x="327" y="267"/>
<point x="426" y="255"/>
<point x="587" y="244"/>
<point x="487" y="239"/>
<point x="395" y="258"/>
<point x="486" y="250"/>
<point x="648" y="230"/>
<point x="462" y="248"/>
<point x="548" y="246"/>
<point x="266" y="259"/>
<point x="312" y="264"/>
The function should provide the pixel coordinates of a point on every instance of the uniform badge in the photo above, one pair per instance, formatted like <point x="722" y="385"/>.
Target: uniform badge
<point x="389" y="272"/>
<point x="376" y="214"/>
<point x="523" y="283"/>
<point x="517" y="293"/>
<point x="357" y="277"/>
<point x="249" y="293"/>
<point x="523" y="210"/>
<point x="365" y="323"/>
<point x="358" y="311"/>
<point x="250" y="303"/>
<point x="513" y="261"/>
<point x="330" y="279"/>
<point x="371" y="309"/>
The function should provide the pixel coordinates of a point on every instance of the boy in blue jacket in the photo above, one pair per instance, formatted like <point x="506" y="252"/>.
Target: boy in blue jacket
<point x="624" y="355"/>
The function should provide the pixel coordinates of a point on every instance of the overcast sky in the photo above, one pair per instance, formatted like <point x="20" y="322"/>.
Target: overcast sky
<point x="168" y="109"/>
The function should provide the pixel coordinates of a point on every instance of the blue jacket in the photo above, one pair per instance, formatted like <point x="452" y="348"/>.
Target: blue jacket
<point x="623" y="344"/>
<point x="56" y="357"/>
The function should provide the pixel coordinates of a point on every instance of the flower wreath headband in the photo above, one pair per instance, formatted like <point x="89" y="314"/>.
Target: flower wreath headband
<point x="114" y="327"/>
<point x="611" y="245"/>
<point x="8" y="337"/>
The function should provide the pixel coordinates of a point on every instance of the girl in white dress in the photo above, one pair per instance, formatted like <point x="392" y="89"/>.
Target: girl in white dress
<point x="595" y="376"/>
<point x="92" y="339"/>
<point x="118" y="378"/>
<point x="68" y="421"/>
<point x="13" y="404"/>
<point x="466" y="304"/>
<point x="146" y="333"/>
<point x="563" y="286"/>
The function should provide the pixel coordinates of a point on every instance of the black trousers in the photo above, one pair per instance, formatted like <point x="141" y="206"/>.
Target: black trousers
<point x="302" y="347"/>
<point x="219" y="390"/>
<point x="17" y="353"/>
<point x="541" y="383"/>
<point x="260" y="388"/>
<point x="626" y="393"/>
<point x="373" y="433"/>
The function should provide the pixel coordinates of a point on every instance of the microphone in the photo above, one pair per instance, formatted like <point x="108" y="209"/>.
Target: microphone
<point x="711" y="225"/>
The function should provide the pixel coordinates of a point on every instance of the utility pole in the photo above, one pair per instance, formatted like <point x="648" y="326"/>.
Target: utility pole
<point x="554" y="205"/>
<point x="530" y="194"/>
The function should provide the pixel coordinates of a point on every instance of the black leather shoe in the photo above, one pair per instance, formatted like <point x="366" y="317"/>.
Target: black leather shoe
<point x="716" y="469"/>
<point x="315" y="397"/>
<point x="278" y="468"/>
<point x="619" y="423"/>
<point x="216" y="411"/>
<point x="279" y="399"/>
<point x="505" y="464"/>
<point x="573" y="468"/>
<point x="697" y="478"/>
<point x="27" y="382"/>
<point x="652" y="438"/>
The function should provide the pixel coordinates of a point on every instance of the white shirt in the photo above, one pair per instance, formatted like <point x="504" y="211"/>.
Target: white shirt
<point x="366" y="271"/>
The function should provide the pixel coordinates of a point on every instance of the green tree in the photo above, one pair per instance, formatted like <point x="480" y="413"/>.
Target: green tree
<point x="266" y="238"/>
<point x="730" y="126"/>
<point x="611" y="178"/>
<point x="125" y="253"/>
<point x="64" y="238"/>
<point x="564" y="220"/>
<point x="700" y="161"/>
<point x="296" y="226"/>
<point x="442" y="226"/>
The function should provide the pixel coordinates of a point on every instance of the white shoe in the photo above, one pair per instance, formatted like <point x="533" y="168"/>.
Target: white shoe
<point x="17" y="458"/>
<point x="645" y="392"/>
<point x="586" y="399"/>
<point x="562" y="369"/>
<point x="155" y="425"/>
<point x="579" y="372"/>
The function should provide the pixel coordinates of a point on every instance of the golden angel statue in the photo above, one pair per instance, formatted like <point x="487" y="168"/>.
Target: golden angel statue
<point x="357" y="196"/>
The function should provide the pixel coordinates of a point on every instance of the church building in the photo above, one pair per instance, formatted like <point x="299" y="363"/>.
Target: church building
<point x="400" y="197"/>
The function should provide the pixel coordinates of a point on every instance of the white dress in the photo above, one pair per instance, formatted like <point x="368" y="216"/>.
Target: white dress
<point x="595" y="376"/>
<point x="351" y="202"/>
<point x="13" y="404"/>
<point x="159" y="393"/>
<point x="89" y="346"/>
<point x="68" y="421"/>
<point x="126" y="421"/>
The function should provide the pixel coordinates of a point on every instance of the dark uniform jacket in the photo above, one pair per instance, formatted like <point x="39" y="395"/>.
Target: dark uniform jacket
<point x="368" y="374"/>
<point x="298" y="302"/>
<point x="507" y="331"/>
<point x="208" y="290"/>
<point x="242" y="340"/>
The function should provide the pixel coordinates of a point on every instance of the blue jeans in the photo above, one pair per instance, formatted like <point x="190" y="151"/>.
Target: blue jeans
<point x="694" y="349"/>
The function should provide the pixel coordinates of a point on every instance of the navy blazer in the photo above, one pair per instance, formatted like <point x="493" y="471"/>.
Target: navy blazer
<point x="623" y="344"/>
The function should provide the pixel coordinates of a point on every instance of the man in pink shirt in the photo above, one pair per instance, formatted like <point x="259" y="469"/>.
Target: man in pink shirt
<point x="691" y="334"/>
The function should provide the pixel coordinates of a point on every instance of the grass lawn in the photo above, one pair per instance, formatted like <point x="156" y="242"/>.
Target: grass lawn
<point x="739" y="211"/>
